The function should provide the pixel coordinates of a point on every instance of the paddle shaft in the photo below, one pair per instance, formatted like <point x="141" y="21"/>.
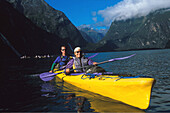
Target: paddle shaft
<point x="50" y="76"/>
<point x="111" y="60"/>
<point x="102" y="62"/>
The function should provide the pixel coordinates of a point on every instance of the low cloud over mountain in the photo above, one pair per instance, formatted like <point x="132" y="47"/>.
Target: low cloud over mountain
<point x="128" y="9"/>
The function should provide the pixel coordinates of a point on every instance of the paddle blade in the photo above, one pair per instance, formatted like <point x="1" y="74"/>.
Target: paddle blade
<point x="47" y="76"/>
<point x="122" y="58"/>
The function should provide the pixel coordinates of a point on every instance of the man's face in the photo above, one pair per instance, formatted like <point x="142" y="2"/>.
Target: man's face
<point x="78" y="53"/>
<point x="63" y="49"/>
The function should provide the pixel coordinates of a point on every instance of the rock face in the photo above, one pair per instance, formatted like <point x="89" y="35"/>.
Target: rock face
<point x="151" y="31"/>
<point x="19" y="36"/>
<point x="49" y="19"/>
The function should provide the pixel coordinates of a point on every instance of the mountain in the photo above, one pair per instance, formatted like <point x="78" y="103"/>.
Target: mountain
<point x="50" y="20"/>
<point x="151" y="31"/>
<point x="19" y="36"/>
<point x="87" y="37"/>
<point x="91" y="35"/>
<point x="103" y="31"/>
<point x="168" y="44"/>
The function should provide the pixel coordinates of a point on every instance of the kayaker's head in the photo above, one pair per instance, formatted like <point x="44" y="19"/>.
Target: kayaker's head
<point x="78" y="52"/>
<point x="63" y="50"/>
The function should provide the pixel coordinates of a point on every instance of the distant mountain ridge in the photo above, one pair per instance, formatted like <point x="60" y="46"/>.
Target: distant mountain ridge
<point x="151" y="31"/>
<point x="90" y="34"/>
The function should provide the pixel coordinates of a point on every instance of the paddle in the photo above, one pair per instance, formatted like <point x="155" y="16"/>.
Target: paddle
<point x="47" y="76"/>
<point x="70" y="47"/>
<point x="115" y="59"/>
<point x="93" y="55"/>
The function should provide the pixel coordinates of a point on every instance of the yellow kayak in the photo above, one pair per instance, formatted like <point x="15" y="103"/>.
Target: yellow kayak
<point x="132" y="90"/>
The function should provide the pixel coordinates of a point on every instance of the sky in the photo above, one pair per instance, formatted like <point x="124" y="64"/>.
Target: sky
<point x="82" y="11"/>
<point x="100" y="13"/>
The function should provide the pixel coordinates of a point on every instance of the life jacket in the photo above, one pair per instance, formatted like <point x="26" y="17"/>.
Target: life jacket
<point x="80" y="62"/>
<point x="63" y="62"/>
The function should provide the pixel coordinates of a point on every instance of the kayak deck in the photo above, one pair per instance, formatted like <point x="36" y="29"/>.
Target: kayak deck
<point x="134" y="91"/>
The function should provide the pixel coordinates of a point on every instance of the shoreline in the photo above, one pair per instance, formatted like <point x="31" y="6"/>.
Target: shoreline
<point x="128" y="50"/>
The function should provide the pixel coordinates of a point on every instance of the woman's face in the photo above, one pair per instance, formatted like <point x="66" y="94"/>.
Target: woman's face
<point x="78" y="53"/>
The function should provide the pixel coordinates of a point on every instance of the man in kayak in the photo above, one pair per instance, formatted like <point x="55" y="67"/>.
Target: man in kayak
<point x="79" y="61"/>
<point x="61" y="61"/>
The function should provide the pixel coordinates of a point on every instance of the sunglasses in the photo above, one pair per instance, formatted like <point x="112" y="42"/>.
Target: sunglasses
<point x="63" y="49"/>
<point x="78" y="51"/>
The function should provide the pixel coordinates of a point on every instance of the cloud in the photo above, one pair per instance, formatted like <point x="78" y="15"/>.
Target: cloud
<point x="94" y="19"/>
<point x="84" y="26"/>
<point x="94" y="13"/>
<point x="127" y="9"/>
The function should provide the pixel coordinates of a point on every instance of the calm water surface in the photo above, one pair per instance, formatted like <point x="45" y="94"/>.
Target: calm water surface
<point x="22" y="90"/>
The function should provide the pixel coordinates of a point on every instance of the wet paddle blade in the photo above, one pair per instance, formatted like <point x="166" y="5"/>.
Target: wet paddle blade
<point x="47" y="76"/>
<point x="122" y="58"/>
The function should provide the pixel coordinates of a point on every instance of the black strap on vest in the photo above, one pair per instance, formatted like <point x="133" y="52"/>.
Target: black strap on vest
<point x="81" y="64"/>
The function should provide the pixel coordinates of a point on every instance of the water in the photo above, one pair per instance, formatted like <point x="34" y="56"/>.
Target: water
<point x="22" y="90"/>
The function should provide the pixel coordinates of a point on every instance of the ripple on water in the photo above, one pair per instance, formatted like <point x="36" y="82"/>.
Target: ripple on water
<point x="30" y="94"/>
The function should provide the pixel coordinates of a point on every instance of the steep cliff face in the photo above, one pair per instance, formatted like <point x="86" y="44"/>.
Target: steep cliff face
<point x="151" y="31"/>
<point x="19" y="36"/>
<point x="49" y="19"/>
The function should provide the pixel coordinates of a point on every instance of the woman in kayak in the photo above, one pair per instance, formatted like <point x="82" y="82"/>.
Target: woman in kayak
<point x="79" y="61"/>
<point x="61" y="61"/>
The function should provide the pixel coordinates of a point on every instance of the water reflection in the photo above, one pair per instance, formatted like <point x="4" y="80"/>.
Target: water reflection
<point x="69" y="101"/>
<point x="22" y="90"/>
<point x="47" y="88"/>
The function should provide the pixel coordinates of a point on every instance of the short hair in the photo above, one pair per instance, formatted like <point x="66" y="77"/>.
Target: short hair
<point x="76" y="49"/>
<point x="63" y="46"/>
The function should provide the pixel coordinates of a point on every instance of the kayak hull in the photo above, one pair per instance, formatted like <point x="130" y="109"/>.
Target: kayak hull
<point x="132" y="91"/>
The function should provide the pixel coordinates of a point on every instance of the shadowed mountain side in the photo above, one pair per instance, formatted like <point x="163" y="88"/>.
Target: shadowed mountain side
<point x="20" y="34"/>
<point x="168" y="44"/>
<point x="49" y="19"/>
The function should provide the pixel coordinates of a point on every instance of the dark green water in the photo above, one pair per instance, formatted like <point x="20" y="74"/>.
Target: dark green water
<point x="22" y="90"/>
